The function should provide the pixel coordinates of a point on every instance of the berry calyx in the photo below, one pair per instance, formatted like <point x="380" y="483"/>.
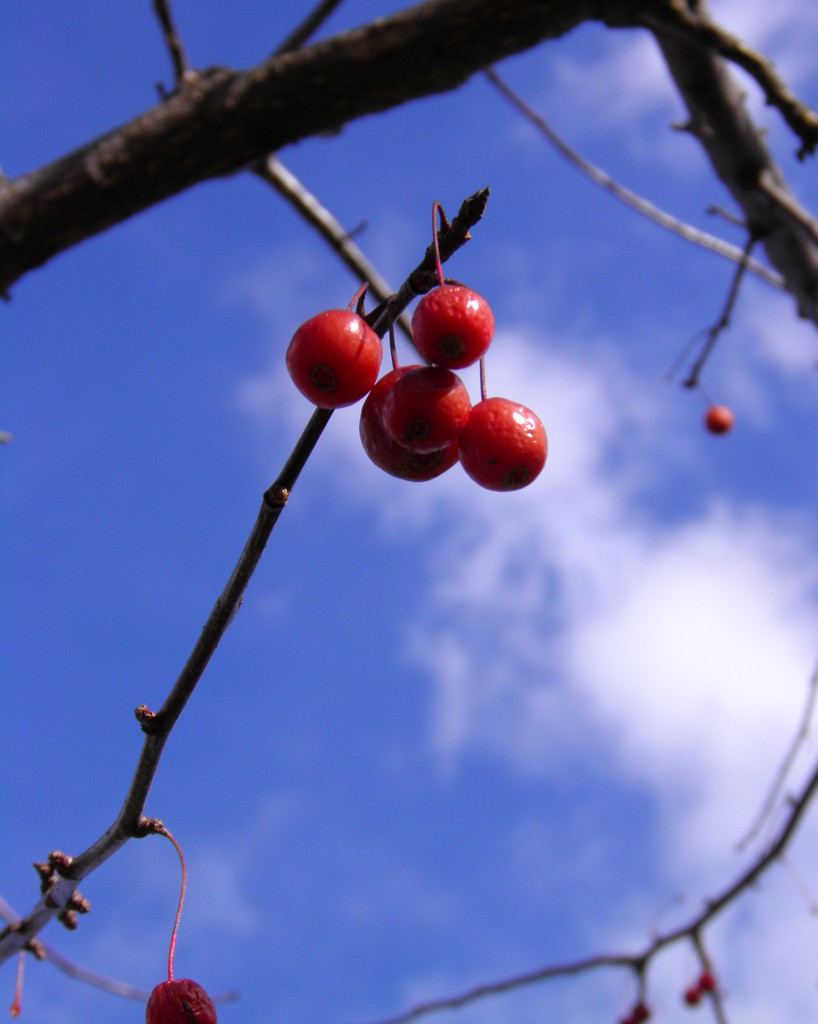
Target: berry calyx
<point x="707" y="983"/>
<point x="452" y="326"/>
<point x="503" y="446"/>
<point x="692" y="995"/>
<point x="426" y="408"/>
<point x="181" y="1001"/>
<point x="719" y="419"/>
<point x="387" y="453"/>
<point x="334" y="358"/>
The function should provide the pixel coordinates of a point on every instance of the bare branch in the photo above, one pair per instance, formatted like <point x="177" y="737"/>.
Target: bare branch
<point x="226" y="120"/>
<point x="181" y="68"/>
<point x="287" y="185"/>
<point x="723" y="322"/>
<point x="515" y="981"/>
<point x="782" y="198"/>
<point x="675" y="16"/>
<point x="631" y="199"/>
<point x="296" y="39"/>
<point x="736" y="149"/>
<point x="62" y="874"/>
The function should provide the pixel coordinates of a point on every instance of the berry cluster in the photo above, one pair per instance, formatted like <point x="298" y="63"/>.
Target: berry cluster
<point x="706" y="983"/>
<point x="417" y="421"/>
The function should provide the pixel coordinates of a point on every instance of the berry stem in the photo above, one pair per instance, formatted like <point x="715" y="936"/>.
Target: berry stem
<point x="14" y="1009"/>
<point x="393" y="351"/>
<point x="357" y="299"/>
<point x="160" y="829"/>
<point x="437" y="208"/>
<point x="483" y="394"/>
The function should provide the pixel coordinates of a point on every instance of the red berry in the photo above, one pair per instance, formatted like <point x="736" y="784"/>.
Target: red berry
<point x="334" y="358"/>
<point x="426" y="408"/>
<point x="707" y="983"/>
<point x="503" y="446"/>
<point x="387" y="453"/>
<point x="181" y="1001"/>
<point x="719" y="419"/>
<point x="640" y="1013"/>
<point x="452" y="326"/>
<point x="692" y="995"/>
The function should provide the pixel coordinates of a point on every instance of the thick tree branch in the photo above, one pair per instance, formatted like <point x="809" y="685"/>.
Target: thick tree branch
<point x="676" y="17"/>
<point x="224" y="120"/>
<point x="737" y="152"/>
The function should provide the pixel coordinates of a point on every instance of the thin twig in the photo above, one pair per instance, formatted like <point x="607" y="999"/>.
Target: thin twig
<point x="784" y="768"/>
<point x="625" y="195"/>
<point x="308" y="26"/>
<point x="692" y="379"/>
<point x="675" y="16"/>
<point x="515" y="981"/>
<point x="308" y="206"/>
<point x="157" y="726"/>
<point x="118" y="988"/>
<point x="181" y="68"/>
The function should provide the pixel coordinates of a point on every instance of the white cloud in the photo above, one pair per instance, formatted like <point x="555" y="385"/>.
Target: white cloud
<point x="625" y="82"/>
<point x="569" y="614"/>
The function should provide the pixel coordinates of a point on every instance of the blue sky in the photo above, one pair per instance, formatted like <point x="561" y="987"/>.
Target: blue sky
<point x="451" y="734"/>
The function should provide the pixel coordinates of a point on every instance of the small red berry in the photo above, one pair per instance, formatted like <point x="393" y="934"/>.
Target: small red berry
<point x="719" y="419"/>
<point x="503" y="446"/>
<point x="707" y="983"/>
<point x="334" y="358"/>
<point x="640" y="1013"/>
<point x="452" y="326"/>
<point x="181" y="1001"/>
<point x="692" y="995"/>
<point x="385" y="451"/>
<point x="426" y="408"/>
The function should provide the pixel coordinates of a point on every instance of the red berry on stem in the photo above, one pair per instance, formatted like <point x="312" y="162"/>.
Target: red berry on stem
<point x="426" y="408"/>
<point x="640" y="1013"/>
<point x="387" y="453"/>
<point x="707" y="983"/>
<point x="177" y="1000"/>
<point x="719" y="419"/>
<point x="692" y="995"/>
<point x="334" y="358"/>
<point x="180" y="1002"/>
<point x="452" y="326"/>
<point x="503" y="446"/>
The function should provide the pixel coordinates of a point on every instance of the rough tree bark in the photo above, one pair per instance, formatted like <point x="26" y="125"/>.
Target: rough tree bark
<point x="219" y="121"/>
